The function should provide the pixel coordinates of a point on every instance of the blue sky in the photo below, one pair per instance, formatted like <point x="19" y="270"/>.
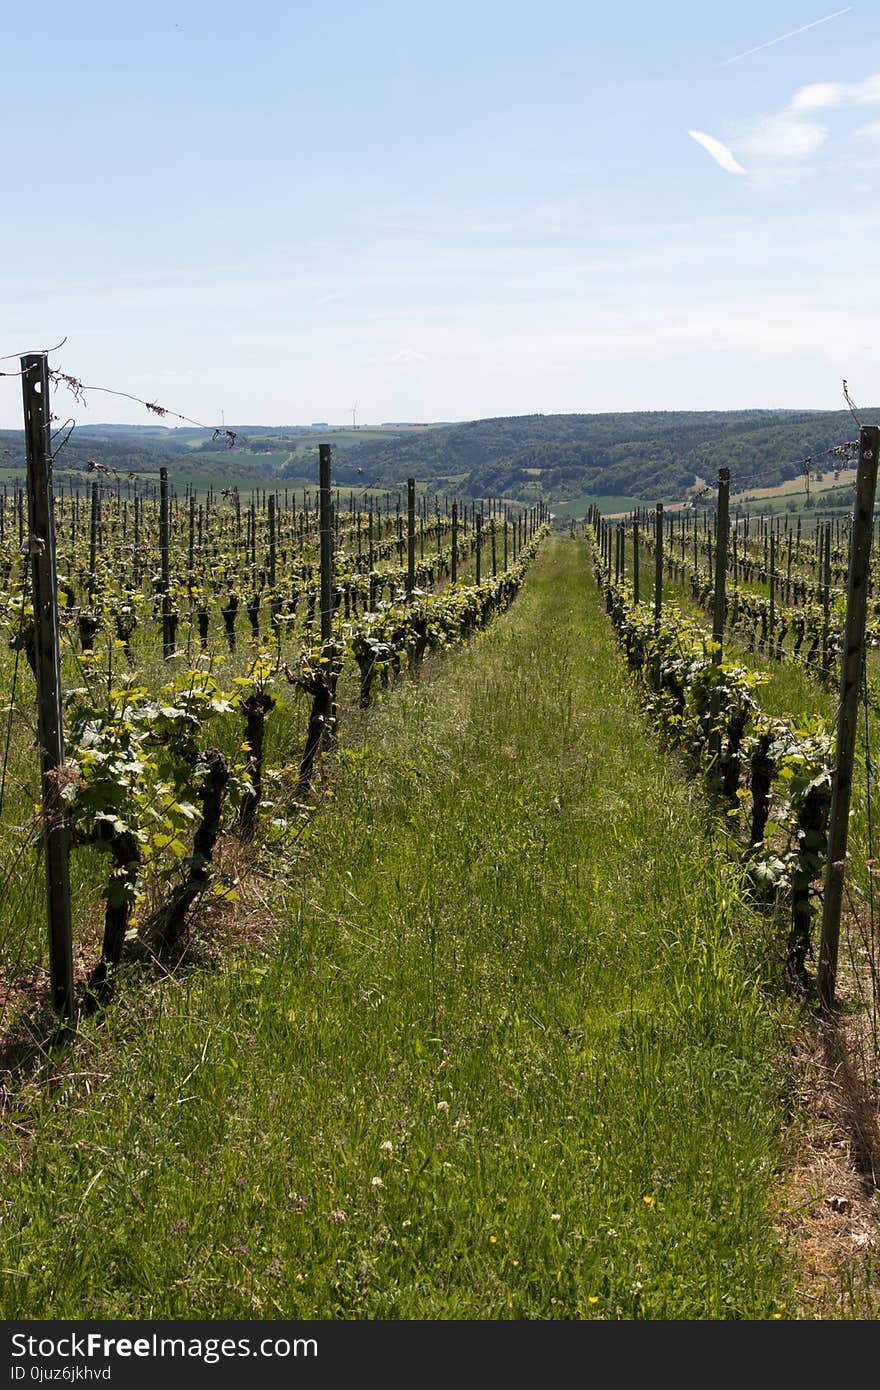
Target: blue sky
<point x="281" y="213"/>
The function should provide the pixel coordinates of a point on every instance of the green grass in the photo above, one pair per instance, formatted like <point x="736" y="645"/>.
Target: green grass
<point x="830" y="495"/>
<point x="579" y="506"/>
<point x="792" y="692"/>
<point x="499" y="1046"/>
<point x="307" y="445"/>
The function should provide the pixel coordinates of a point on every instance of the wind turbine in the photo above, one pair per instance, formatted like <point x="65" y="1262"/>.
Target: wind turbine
<point x="353" y="409"/>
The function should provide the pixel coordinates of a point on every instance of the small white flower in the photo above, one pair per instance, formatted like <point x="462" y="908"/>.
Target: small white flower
<point x="554" y="1216"/>
<point x="376" y="1182"/>
<point x="387" y="1148"/>
<point x="443" y="1106"/>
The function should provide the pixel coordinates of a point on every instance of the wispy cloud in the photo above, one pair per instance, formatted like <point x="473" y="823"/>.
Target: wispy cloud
<point x="719" y="152"/>
<point x="782" y="37"/>
<point x="783" y="137"/>
<point x="680" y="313"/>
<point x="405" y="356"/>
<point x="791" y="134"/>
<point x="821" y="95"/>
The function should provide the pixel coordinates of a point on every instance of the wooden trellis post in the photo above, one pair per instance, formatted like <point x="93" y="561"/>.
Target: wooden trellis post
<point x="848" y="709"/>
<point x="636" y="557"/>
<point x="719" y="603"/>
<point x="50" y="727"/>
<point x="322" y="719"/>
<point x="326" y="541"/>
<point x="164" y="543"/>
<point x="272" y="539"/>
<point x="93" y="543"/>
<point x="658" y="565"/>
<point x="721" y="528"/>
<point x="410" y="536"/>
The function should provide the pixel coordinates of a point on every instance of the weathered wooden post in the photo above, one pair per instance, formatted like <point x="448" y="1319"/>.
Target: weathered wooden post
<point x="50" y="726"/>
<point x="658" y="564"/>
<point x="410" y="536"/>
<point x="826" y="600"/>
<point x="771" y="577"/>
<point x="93" y="543"/>
<point x="191" y="545"/>
<point x="167" y="626"/>
<point x="273" y="538"/>
<point x="479" y="544"/>
<point x="719" y="610"/>
<point x="852" y="664"/>
<point x="636" y="557"/>
<point x="325" y="502"/>
<point x="453" y="574"/>
<point x="721" y="529"/>
<point x="323" y="714"/>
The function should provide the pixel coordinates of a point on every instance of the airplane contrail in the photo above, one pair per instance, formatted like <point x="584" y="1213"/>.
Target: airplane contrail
<point x="803" y="29"/>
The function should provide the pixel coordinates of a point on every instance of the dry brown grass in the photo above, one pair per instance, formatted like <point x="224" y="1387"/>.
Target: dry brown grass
<point x="830" y="1207"/>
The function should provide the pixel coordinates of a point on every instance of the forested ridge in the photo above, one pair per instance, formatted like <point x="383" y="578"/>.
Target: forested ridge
<point x="657" y="455"/>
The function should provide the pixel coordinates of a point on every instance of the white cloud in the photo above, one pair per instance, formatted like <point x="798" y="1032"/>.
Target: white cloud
<point x="871" y="131"/>
<point x="407" y="355"/>
<point x="818" y="95"/>
<point x="783" y="137"/>
<point x="788" y="135"/>
<point x="720" y="153"/>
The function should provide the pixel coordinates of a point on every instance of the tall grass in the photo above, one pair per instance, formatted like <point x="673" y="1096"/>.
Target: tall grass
<point x="499" y="1046"/>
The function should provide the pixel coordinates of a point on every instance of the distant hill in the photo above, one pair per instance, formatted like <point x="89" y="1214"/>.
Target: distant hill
<point x="654" y="455"/>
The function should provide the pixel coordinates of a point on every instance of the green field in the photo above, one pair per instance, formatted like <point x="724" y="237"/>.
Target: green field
<point x="497" y="1038"/>
<point x="579" y="507"/>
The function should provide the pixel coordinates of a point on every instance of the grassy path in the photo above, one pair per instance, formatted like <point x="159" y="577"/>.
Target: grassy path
<point x="498" y="1047"/>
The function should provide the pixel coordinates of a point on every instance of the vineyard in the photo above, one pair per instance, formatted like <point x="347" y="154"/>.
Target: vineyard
<point x="432" y="900"/>
<point x="754" y="646"/>
<point x="777" y="603"/>
<point x="205" y="651"/>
